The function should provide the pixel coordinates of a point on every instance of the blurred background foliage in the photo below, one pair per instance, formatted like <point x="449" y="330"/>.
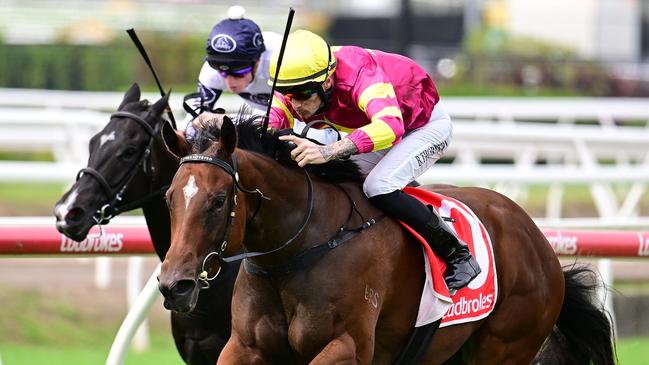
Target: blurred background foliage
<point x="495" y="64"/>
<point x="111" y="66"/>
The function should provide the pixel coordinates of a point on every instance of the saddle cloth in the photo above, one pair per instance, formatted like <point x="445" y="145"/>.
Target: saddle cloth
<point x="476" y="300"/>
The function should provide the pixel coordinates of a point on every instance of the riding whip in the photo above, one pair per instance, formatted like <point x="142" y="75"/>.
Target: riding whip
<point x="289" y="21"/>
<point x="140" y="47"/>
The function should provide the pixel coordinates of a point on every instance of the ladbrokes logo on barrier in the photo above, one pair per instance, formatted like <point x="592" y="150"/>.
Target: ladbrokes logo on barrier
<point x="110" y="242"/>
<point x="563" y="245"/>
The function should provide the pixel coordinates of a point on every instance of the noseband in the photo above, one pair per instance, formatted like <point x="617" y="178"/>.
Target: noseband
<point x="113" y="207"/>
<point x="232" y="171"/>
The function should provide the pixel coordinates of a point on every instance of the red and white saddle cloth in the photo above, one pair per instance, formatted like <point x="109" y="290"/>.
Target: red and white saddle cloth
<point x="474" y="301"/>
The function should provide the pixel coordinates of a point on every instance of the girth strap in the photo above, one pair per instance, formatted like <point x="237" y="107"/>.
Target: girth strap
<point x="308" y="256"/>
<point x="418" y="344"/>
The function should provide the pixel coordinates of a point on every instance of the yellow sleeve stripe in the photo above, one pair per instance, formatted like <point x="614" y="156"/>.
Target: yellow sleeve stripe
<point x="380" y="133"/>
<point x="375" y="91"/>
<point x="392" y="111"/>
<point x="278" y="103"/>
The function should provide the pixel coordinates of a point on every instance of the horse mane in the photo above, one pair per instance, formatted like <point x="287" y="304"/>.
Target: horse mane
<point x="248" y="130"/>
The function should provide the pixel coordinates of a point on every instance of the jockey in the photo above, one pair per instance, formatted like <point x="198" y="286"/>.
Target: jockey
<point x="238" y="58"/>
<point x="396" y="123"/>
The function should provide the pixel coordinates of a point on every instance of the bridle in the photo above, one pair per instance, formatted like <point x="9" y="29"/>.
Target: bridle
<point x="115" y="194"/>
<point x="304" y="258"/>
<point x="231" y="169"/>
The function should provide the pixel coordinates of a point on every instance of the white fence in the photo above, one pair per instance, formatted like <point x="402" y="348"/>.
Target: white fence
<point x="554" y="142"/>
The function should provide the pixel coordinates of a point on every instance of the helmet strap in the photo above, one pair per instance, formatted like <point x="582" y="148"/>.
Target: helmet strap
<point x="325" y="95"/>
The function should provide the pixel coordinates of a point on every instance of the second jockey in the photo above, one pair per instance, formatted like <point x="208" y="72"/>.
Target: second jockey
<point x="237" y="60"/>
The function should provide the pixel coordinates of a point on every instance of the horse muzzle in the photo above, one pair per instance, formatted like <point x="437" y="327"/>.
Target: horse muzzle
<point x="73" y="223"/>
<point x="180" y="296"/>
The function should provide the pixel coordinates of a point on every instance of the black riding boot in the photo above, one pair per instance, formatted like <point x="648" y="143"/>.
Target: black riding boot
<point x="461" y="266"/>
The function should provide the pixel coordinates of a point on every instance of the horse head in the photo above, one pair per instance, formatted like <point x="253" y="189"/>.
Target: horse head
<point x="123" y="167"/>
<point x="204" y="210"/>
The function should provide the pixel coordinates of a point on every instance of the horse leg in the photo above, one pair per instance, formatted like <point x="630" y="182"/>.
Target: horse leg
<point x="507" y="339"/>
<point x="236" y="352"/>
<point x="341" y="351"/>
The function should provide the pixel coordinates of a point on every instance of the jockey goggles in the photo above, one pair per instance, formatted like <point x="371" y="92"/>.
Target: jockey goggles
<point x="235" y="70"/>
<point x="301" y="92"/>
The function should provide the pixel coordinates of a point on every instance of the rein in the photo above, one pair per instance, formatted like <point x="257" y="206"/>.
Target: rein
<point x="112" y="208"/>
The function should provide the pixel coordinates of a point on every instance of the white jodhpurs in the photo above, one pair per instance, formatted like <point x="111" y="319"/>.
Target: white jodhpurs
<point x="393" y="168"/>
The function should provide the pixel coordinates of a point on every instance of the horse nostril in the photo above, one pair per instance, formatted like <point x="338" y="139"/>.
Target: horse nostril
<point x="183" y="287"/>
<point x="74" y="214"/>
<point x="164" y="290"/>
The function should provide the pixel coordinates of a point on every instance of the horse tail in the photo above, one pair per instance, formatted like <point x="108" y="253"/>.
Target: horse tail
<point x="583" y="334"/>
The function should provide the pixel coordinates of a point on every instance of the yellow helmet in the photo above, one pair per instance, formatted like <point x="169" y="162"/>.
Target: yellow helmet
<point x="307" y="58"/>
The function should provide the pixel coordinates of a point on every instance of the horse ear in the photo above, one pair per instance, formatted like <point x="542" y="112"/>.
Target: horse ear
<point x="174" y="141"/>
<point x="131" y="96"/>
<point x="228" y="136"/>
<point x="159" y="107"/>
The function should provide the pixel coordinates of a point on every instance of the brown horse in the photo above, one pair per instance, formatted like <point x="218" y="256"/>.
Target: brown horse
<point x="296" y="302"/>
<point x="129" y="168"/>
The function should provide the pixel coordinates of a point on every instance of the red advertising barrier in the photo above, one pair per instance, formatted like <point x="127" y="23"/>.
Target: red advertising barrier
<point x="599" y="243"/>
<point x="46" y="240"/>
<point x="130" y="240"/>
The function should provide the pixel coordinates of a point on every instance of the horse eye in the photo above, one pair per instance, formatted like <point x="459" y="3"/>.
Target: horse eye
<point x="129" y="152"/>
<point x="219" y="200"/>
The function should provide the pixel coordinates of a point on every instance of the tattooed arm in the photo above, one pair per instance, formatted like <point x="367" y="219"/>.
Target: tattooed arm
<point x="339" y="149"/>
<point x="308" y="152"/>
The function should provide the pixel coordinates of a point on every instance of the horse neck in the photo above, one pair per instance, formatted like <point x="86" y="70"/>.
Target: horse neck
<point x="155" y="210"/>
<point x="158" y="222"/>
<point x="280" y="217"/>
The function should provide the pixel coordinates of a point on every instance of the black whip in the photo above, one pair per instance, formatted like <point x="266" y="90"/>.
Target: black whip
<point x="289" y="21"/>
<point x="140" y="47"/>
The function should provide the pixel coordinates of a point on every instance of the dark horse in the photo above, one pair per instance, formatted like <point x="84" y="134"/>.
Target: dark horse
<point x="293" y="305"/>
<point x="128" y="159"/>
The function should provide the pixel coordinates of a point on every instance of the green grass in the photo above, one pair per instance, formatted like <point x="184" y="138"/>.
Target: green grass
<point x="162" y="352"/>
<point x="464" y="89"/>
<point x="633" y="351"/>
<point x="31" y="199"/>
